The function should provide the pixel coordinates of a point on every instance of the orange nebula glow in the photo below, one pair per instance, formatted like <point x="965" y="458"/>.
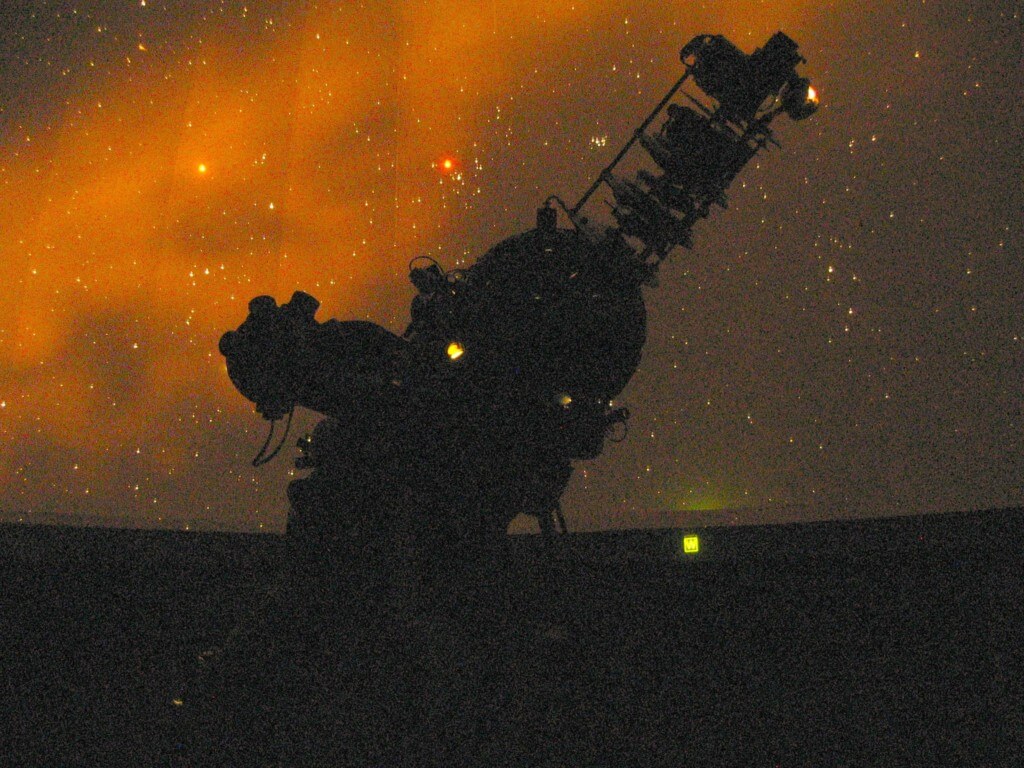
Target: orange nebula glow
<point x="148" y="198"/>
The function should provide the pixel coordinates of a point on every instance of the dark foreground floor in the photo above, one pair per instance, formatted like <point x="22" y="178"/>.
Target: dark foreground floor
<point x="884" y="643"/>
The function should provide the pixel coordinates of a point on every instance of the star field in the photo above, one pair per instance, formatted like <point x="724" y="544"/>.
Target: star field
<point x="846" y="339"/>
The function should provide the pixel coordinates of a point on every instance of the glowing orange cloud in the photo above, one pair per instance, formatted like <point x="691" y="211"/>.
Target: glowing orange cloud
<point x="146" y="219"/>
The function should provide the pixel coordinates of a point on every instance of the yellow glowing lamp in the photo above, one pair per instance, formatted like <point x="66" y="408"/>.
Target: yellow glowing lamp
<point x="800" y="100"/>
<point x="691" y="544"/>
<point x="455" y="351"/>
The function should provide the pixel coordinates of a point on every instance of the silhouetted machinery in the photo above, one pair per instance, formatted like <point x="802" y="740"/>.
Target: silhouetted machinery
<point x="507" y="371"/>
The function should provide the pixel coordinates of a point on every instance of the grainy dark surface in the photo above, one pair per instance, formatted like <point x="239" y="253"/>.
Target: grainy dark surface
<point x="890" y="642"/>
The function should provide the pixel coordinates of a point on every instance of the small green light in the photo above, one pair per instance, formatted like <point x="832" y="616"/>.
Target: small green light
<point x="691" y="545"/>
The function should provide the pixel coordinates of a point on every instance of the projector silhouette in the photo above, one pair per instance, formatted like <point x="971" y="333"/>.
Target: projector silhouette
<point x="507" y="372"/>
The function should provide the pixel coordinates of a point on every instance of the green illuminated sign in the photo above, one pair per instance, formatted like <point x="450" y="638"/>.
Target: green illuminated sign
<point x="691" y="545"/>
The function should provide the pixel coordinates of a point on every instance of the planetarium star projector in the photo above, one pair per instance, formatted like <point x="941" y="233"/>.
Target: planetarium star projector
<point x="507" y="372"/>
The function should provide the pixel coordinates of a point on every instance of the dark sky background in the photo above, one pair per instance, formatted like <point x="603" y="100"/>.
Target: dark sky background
<point x="845" y="340"/>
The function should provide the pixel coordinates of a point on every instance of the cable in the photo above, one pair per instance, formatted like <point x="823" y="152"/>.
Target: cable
<point x="431" y="259"/>
<point x="270" y="434"/>
<point x="262" y="459"/>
